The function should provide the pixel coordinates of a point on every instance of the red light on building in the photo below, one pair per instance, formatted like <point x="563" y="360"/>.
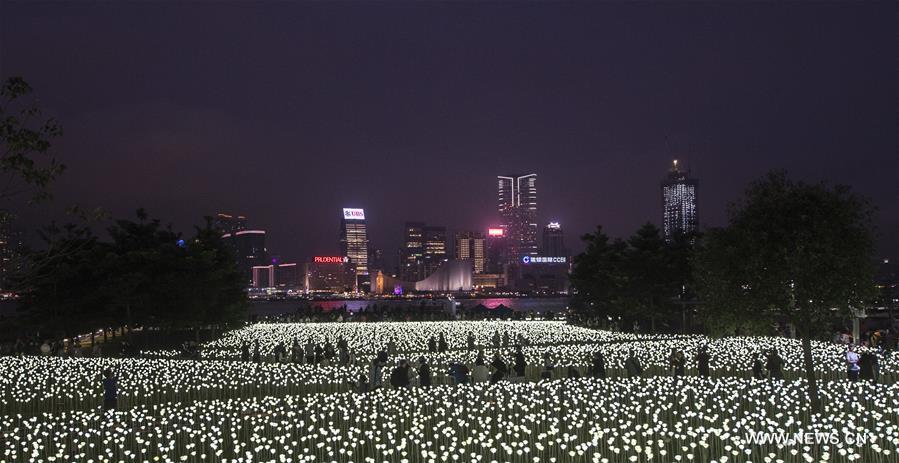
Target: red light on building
<point x="495" y="232"/>
<point x="329" y="259"/>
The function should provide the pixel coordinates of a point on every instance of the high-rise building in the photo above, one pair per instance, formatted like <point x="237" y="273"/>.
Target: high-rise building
<point x="375" y="259"/>
<point x="424" y="250"/>
<point x="329" y="274"/>
<point x="10" y="248"/>
<point x="541" y="275"/>
<point x="434" y="253"/>
<point x="679" y="213"/>
<point x="287" y="276"/>
<point x="354" y="244"/>
<point x="496" y="250"/>
<point x="473" y="246"/>
<point x="553" y="240"/>
<point x="228" y="223"/>
<point x="517" y="196"/>
<point x="248" y="248"/>
<point x="249" y="251"/>
<point x="263" y="276"/>
<point x="412" y="253"/>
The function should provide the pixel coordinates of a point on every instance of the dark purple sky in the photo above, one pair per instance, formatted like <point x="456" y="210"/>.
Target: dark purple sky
<point x="286" y="112"/>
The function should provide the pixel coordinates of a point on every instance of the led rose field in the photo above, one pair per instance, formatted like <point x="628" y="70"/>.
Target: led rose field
<point x="658" y="419"/>
<point x="412" y="336"/>
<point x="230" y="410"/>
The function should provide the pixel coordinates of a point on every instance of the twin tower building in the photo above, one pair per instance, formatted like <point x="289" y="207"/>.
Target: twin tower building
<point x="504" y="256"/>
<point x="480" y="259"/>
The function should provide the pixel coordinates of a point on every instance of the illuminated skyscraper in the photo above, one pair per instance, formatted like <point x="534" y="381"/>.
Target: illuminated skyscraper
<point x="228" y="223"/>
<point x="678" y="203"/>
<point x="472" y="245"/>
<point x="375" y="259"/>
<point x="412" y="253"/>
<point x="328" y="274"/>
<point x="496" y="250"/>
<point x="287" y="276"/>
<point x="249" y="251"/>
<point x="553" y="241"/>
<point x="263" y="276"/>
<point x="10" y="248"/>
<point x="424" y="250"/>
<point x="517" y="196"/>
<point x="354" y="243"/>
<point x="434" y="255"/>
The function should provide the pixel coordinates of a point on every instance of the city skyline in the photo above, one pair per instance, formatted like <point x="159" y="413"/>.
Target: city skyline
<point x="275" y="125"/>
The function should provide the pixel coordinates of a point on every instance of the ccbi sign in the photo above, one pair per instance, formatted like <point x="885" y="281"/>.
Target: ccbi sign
<point x="353" y="214"/>
<point x="543" y="260"/>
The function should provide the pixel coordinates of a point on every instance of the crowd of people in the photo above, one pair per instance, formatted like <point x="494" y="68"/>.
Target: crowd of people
<point x="406" y="374"/>
<point x="865" y="366"/>
<point x="884" y="339"/>
<point x="50" y="347"/>
<point x="323" y="354"/>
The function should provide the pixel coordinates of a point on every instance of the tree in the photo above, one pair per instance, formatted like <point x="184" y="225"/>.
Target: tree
<point x="679" y="254"/>
<point x="145" y="275"/>
<point x="158" y="278"/>
<point x="220" y="285"/>
<point x="25" y="144"/>
<point x="649" y="283"/>
<point x="58" y="287"/>
<point x="634" y="280"/>
<point x="597" y="275"/>
<point x="142" y="257"/>
<point x="794" y="252"/>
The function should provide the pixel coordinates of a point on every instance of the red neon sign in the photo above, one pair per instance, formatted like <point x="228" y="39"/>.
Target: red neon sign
<point x="495" y="232"/>
<point x="329" y="259"/>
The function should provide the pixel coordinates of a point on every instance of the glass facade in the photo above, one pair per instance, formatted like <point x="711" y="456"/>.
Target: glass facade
<point x="517" y="204"/>
<point x="228" y="223"/>
<point x="10" y="248"/>
<point x="434" y="249"/>
<point x="249" y="251"/>
<point x="472" y="245"/>
<point x="354" y="240"/>
<point x="679" y="213"/>
<point x="412" y="257"/>
<point x="328" y="277"/>
<point x="553" y="240"/>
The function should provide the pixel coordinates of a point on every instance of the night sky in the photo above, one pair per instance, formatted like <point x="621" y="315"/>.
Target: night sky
<point x="287" y="112"/>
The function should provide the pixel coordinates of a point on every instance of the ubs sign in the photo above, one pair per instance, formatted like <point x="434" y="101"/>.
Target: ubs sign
<point x="353" y="214"/>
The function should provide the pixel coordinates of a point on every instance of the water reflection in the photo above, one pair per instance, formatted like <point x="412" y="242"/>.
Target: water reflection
<point x="521" y="304"/>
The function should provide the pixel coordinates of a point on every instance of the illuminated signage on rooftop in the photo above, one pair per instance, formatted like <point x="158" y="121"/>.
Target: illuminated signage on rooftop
<point x="330" y="259"/>
<point x="544" y="260"/>
<point x="554" y="225"/>
<point x="495" y="232"/>
<point x="353" y="214"/>
<point x="250" y="232"/>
